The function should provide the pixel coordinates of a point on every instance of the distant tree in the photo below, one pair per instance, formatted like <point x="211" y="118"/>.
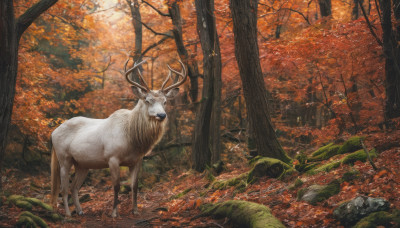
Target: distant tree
<point x="390" y="39"/>
<point x="11" y="30"/>
<point x="244" y="15"/>
<point x="325" y="7"/>
<point x="207" y="145"/>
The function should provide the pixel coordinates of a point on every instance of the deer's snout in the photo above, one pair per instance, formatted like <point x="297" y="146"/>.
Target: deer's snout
<point x="161" y="116"/>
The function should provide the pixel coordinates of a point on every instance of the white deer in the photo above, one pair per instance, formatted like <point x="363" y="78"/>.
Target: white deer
<point x="120" y="140"/>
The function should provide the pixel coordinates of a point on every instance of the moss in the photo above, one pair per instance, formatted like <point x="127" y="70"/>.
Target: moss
<point x="39" y="203"/>
<point x="243" y="214"/>
<point x="23" y="204"/>
<point x="254" y="160"/>
<point x="321" y="150"/>
<point x="297" y="183"/>
<point x="238" y="182"/>
<point x="14" y="198"/>
<point x="26" y="222"/>
<point x="54" y="217"/>
<point x="270" y="167"/>
<point x="351" y="175"/>
<point x="302" y="158"/>
<point x="327" y="153"/>
<point x="353" y="144"/>
<point x="306" y="167"/>
<point x="319" y="193"/>
<point x="381" y="218"/>
<point x="326" y="168"/>
<point x="359" y="155"/>
<point x="39" y="221"/>
<point x="184" y="192"/>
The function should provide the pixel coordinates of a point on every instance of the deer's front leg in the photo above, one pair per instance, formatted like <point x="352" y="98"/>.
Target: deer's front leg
<point x="134" y="170"/>
<point x="114" y="170"/>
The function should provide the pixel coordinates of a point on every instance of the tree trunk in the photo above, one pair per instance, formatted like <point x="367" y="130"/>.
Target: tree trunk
<point x="206" y="146"/>
<point x="137" y="26"/>
<point x="193" y="71"/>
<point x="354" y="10"/>
<point x="325" y="7"/>
<point x="391" y="51"/>
<point x="11" y="30"/>
<point x="244" y="15"/>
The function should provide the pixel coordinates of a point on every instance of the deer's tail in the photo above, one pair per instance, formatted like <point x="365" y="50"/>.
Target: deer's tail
<point x="55" y="178"/>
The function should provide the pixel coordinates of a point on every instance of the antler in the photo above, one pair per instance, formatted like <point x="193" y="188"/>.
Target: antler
<point x="144" y="87"/>
<point x="182" y="74"/>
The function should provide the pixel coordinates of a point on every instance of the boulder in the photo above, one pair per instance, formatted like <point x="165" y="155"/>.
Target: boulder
<point x="349" y="213"/>
<point x="317" y="193"/>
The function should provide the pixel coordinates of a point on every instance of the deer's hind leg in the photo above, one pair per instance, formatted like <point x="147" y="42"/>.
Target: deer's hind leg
<point x="65" y="166"/>
<point x="80" y="175"/>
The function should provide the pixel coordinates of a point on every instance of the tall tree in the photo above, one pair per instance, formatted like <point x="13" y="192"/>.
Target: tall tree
<point x="325" y="7"/>
<point x="11" y="30"/>
<point x="206" y="145"/>
<point x="390" y="39"/>
<point x="244" y="15"/>
<point x="137" y="26"/>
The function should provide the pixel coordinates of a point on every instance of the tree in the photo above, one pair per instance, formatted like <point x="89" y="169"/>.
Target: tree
<point x="11" y="30"/>
<point x="325" y="7"/>
<point x="390" y="39"/>
<point x="244" y="15"/>
<point x="206" y="145"/>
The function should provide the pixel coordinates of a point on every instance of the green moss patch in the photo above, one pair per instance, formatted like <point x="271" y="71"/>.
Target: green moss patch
<point x="359" y="155"/>
<point x="306" y="167"/>
<point x="183" y="193"/>
<point x="351" y="145"/>
<point x="326" y="168"/>
<point x="238" y="182"/>
<point x="325" y="152"/>
<point x="381" y="218"/>
<point x="243" y="213"/>
<point x="270" y="167"/>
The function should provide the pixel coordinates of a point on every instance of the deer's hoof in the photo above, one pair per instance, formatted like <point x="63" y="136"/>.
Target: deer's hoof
<point x="80" y="213"/>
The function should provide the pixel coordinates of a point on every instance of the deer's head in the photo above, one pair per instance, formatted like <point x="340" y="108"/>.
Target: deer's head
<point x="155" y="100"/>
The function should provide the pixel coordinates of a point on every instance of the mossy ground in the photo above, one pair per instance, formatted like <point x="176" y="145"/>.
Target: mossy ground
<point x="243" y="214"/>
<point x="270" y="167"/>
<point x="381" y="218"/>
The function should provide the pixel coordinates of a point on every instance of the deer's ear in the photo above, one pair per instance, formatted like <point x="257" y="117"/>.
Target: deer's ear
<point x="172" y="93"/>
<point x="138" y="92"/>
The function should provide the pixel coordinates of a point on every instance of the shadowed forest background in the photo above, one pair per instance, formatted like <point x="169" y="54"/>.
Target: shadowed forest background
<point x="332" y="78"/>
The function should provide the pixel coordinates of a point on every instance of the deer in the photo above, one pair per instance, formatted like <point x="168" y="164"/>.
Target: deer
<point x="122" y="139"/>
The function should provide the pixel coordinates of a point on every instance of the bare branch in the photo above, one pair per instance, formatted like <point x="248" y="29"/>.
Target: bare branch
<point x="369" y="24"/>
<point x="26" y="19"/>
<point x="157" y="10"/>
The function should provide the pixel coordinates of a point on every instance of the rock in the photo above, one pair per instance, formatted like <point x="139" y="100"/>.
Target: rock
<point x="381" y="218"/>
<point x="351" y="212"/>
<point x="243" y="214"/>
<point x="270" y="167"/>
<point x="318" y="193"/>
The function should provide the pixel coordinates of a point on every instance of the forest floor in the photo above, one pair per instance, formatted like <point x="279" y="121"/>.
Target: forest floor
<point x="176" y="202"/>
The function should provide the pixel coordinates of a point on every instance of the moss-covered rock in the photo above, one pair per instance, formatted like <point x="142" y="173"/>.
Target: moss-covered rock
<point x="14" y="198"/>
<point x="351" y="145"/>
<point x="318" y="193"/>
<point x="359" y="155"/>
<point x="243" y="214"/>
<point x="37" y="220"/>
<point x="297" y="183"/>
<point x="270" y="167"/>
<point x="381" y="218"/>
<point x="351" y="175"/>
<point x="54" y="217"/>
<point x="326" y="152"/>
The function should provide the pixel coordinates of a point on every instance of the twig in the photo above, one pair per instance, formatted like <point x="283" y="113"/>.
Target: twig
<point x="369" y="157"/>
<point x="157" y="10"/>
<point x="369" y="24"/>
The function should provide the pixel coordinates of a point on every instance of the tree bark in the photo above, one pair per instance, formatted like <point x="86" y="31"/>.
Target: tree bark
<point x="325" y="7"/>
<point x="11" y="30"/>
<point x="244" y="15"/>
<point x="206" y="146"/>
<point x="137" y="26"/>
<point x="193" y="71"/>
<point x="390" y="39"/>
